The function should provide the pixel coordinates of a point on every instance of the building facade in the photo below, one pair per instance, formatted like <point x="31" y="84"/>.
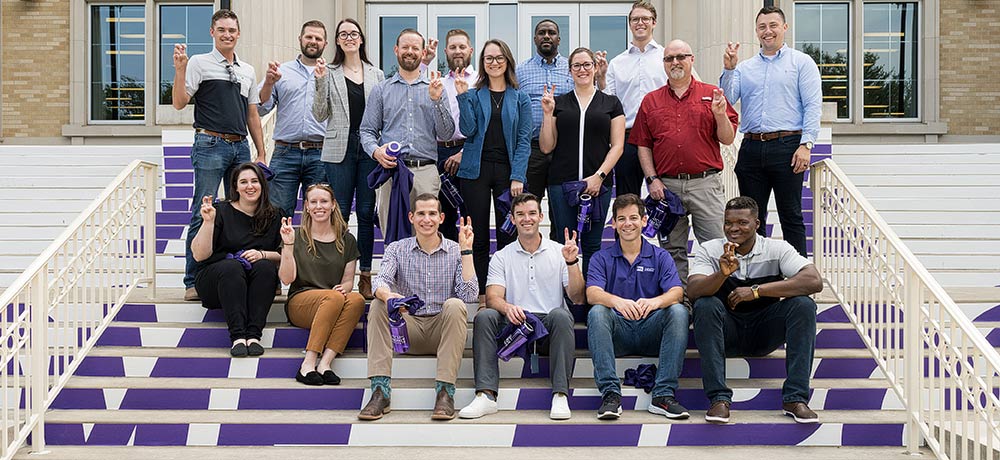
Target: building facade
<point x="77" y="71"/>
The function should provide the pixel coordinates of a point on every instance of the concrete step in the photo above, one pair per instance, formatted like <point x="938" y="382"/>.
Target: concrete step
<point x="513" y="428"/>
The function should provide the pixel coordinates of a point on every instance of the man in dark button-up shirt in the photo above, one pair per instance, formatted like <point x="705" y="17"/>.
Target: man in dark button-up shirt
<point x="678" y="130"/>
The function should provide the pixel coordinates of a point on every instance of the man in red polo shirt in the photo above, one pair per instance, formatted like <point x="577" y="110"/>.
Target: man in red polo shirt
<point x="678" y="130"/>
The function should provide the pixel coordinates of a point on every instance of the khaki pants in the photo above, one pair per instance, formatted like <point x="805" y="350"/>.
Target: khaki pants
<point x="443" y="335"/>
<point x="425" y="180"/>
<point x="705" y="201"/>
<point x="329" y="315"/>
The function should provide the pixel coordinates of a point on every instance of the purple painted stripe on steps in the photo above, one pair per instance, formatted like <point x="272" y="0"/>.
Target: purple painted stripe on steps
<point x="268" y="435"/>
<point x="205" y="338"/>
<point x="110" y="434"/>
<point x="214" y="315"/>
<point x="63" y="434"/>
<point x="855" y="399"/>
<point x="872" y="435"/>
<point x="822" y="151"/>
<point x="191" y="367"/>
<point x="161" y="246"/>
<point x="175" y="204"/>
<point x="576" y="435"/>
<point x="833" y="368"/>
<point x="116" y="336"/>
<point x="178" y="162"/>
<point x="179" y="151"/>
<point x="164" y="232"/>
<point x="101" y="366"/>
<point x="178" y="177"/>
<point x="137" y="312"/>
<point x="166" y="399"/>
<point x="323" y="398"/>
<point x="291" y="338"/>
<point x="834" y="314"/>
<point x="161" y="434"/>
<point x="993" y="314"/>
<point x="172" y="218"/>
<point x="765" y="434"/>
<point x="80" y="398"/>
<point x="179" y="191"/>
<point x="282" y="368"/>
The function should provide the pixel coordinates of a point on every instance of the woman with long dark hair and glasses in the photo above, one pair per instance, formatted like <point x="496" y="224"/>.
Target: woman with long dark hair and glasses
<point x="318" y="261"/>
<point x="342" y="87"/>
<point x="237" y="247"/>
<point x="584" y="131"/>
<point x="496" y="121"/>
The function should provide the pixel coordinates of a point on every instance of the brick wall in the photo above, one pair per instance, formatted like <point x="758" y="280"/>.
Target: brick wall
<point x="970" y="63"/>
<point x="35" y="67"/>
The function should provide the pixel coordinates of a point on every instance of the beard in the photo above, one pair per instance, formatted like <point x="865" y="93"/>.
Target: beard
<point x="311" y="52"/>
<point x="676" y="73"/>
<point x="457" y="62"/>
<point x="409" y="62"/>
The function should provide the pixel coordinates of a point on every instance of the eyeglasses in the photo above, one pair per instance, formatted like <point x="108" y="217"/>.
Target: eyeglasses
<point x="642" y="19"/>
<point x="499" y="59"/>
<point x="349" y="35"/>
<point x="582" y="66"/>
<point x="232" y="74"/>
<point x="678" y="58"/>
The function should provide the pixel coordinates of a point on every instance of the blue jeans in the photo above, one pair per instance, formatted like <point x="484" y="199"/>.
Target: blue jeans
<point x="663" y="333"/>
<point x="349" y="180"/>
<point x="214" y="160"/>
<point x="292" y="167"/>
<point x="764" y="166"/>
<point x="563" y="216"/>
<point x="721" y="333"/>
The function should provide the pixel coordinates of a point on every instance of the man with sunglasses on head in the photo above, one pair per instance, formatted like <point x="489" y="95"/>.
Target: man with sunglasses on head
<point x="678" y="130"/>
<point x="782" y="99"/>
<point x="225" y="111"/>
<point x="298" y="136"/>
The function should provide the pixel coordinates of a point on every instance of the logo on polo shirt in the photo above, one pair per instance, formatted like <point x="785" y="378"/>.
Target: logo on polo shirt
<point x="644" y="269"/>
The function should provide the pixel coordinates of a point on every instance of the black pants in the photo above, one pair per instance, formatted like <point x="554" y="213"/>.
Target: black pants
<point x="764" y="166"/>
<point x="449" y="229"/>
<point x="628" y="172"/>
<point x="245" y="296"/>
<point x="538" y="175"/>
<point x="493" y="179"/>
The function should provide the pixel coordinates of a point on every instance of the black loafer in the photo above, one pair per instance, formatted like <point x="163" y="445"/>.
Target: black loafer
<point x="239" y="350"/>
<point x="312" y="378"/>
<point x="330" y="378"/>
<point x="255" y="349"/>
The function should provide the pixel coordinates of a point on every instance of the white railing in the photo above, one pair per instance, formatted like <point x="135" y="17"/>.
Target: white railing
<point x="267" y="123"/>
<point x="942" y="368"/>
<point x="729" y="156"/>
<point x="55" y="311"/>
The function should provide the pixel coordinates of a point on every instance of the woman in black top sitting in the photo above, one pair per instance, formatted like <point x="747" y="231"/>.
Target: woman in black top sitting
<point x="237" y="247"/>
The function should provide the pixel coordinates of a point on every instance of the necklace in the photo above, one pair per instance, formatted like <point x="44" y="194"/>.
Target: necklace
<point x="497" y="103"/>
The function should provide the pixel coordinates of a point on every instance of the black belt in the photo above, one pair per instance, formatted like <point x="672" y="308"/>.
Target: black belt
<point x="301" y="145"/>
<point x="686" y="176"/>
<point x="418" y="163"/>
<point x="764" y="137"/>
<point x="452" y="143"/>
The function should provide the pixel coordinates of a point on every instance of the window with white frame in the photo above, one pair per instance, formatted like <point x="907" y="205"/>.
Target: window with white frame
<point x="181" y="24"/>
<point x="117" y="63"/>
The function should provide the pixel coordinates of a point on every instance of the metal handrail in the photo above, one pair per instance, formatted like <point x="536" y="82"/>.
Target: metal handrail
<point x="943" y="369"/>
<point x="55" y="311"/>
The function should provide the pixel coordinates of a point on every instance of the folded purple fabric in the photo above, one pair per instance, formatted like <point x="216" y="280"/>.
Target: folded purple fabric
<point x="412" y="303"/>
<point x="398" y="222"/>
<point x="667" y="212"/>
<point x="268" y="172"/>
<point x="643" y="376"/>
<point x="536" y="332"/>
<point x="504" y="202"/>
<point x="239" y="258"/>
<point x="571" y="193"/>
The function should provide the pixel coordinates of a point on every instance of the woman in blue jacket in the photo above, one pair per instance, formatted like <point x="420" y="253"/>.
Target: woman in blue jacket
<point x="495" y="118"/>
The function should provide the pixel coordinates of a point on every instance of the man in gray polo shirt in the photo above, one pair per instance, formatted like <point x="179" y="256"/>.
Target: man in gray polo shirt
<point x="522" y="278"/>
<point x="407" y="108"/>
<point x="225" y="111"/>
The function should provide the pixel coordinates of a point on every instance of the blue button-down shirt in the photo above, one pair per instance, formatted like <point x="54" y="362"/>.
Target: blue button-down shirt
<point x="780" y="93"/>
<point x="651" y="273"/>
<point x="404" y="112"/>
<point x="434" y="277"/>
<point x="532" y="77"/>
<point x="293" y="95"/>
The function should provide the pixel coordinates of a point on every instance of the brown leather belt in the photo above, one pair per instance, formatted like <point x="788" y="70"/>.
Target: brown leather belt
<point x="764" y="137"/>
<point x="452" y="143"/>
<point x="223" y="136"/>
<point x="686" y="176"/>
<point x="301" y="145"/>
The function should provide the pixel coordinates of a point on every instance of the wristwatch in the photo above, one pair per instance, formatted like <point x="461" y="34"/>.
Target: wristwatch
<point x="650" y="179"/>
<point x="809" y="145"/>
<point x="756" y="291"/>
<point x="601" y="174"/>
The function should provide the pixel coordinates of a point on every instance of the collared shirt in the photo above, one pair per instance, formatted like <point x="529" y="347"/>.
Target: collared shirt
<point x="633" y="74"/>
<point x="780" y="93"/>
<point x="529" y="277"/>
<point x="219" y="104"/>
<point x="452" y="94"/>
<point x="680" y="130"/>
<point x="434" y="277"/>
<point x="293" y="95"/>
<point x="651" y="273"/>
<point x="403" y="112"/>
<point x="532" y="77"/>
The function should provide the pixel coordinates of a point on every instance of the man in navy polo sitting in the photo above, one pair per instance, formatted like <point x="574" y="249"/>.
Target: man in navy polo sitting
<point x="636" y="294"/>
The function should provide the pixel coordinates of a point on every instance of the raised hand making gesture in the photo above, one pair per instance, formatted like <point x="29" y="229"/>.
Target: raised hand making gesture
<point x="320" y="68"/>
<point x="273" y="73"/>
<point x="436" y="88"/>
<point x="548" y="99"/>
<point x="207" y="209"/>
<point x="465" y="235"/>
<point x="287" y="232"/>
<point x="728" y="263"/>
<point x="569" y="249"/>
<point x="180" y="57"/>
<point x="718" y="102"/>
<point x="730" y="59"/>
<point x="461" y="85"/>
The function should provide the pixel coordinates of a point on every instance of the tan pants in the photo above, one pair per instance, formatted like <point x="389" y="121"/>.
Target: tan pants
<point x="329" y="315"/>
<point x="425" y="180"/>
<point x="442" y="335"/>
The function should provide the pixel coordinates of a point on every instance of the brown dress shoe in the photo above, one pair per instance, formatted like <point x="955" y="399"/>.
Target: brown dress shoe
<point x="718" y="413"/>
<point x="444" y="407"/>
<point x="365" y="285"/>
<point x="800" y="412"/>
<point x="376" y="407"/>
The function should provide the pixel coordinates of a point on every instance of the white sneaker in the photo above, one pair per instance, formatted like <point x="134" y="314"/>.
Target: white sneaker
<point x="480" y="406"/>
<point x="560" y="407"/>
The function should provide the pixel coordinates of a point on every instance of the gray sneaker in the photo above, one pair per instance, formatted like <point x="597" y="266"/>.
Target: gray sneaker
<point x="611" y="407"/>
<point x="669" y="407"/>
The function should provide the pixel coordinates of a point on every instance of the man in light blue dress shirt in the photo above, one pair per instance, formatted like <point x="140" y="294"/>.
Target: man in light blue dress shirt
<point x="298" y="137"/>
<point x="782" y="99"/>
